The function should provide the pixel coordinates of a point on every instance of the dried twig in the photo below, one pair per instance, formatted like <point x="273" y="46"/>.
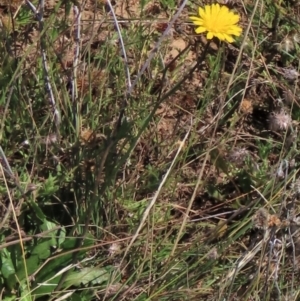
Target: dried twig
<point x="7" y="169"/>
<point x="77" y="14"/>
<point x="122" y="44"/>
<point x="39" y="14"/>
<point x="154" y="199"/>
<point x="156" y="47"/>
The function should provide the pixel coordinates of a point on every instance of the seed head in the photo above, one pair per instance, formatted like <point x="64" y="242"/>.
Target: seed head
<point x="31" y="187"/>
<point x="287" y="45"/>
<point x="213" y="254"/>
<point x="260" y="219"/>
<point x="295" y="186"/>
<point x="294" y="35"/>
<point x="279" y="121"/>
<point x="50" y="139"/>
<point x="282" y="169"/>
<point x="114" y="248"/>
<point x="238" y="155"/>
<point x="290" y="74"/>
<point x="288" y="97"/>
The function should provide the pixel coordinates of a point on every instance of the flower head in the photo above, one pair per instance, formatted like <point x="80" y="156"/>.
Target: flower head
<point x="296" y="187"/>
<point x="218" y="21"/>
<point x="290" y="74"/>
<point x="260" y="219"/>
<point x="279" y="121"/>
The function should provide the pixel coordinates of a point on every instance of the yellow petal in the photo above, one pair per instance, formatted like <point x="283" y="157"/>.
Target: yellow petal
<point x="214" y="10"/>
<point x="194" y="18"/>
<point x="209" y="35"/>
<point x="198" y="22"/>
<point x="228" y="38"/>
<point x="224" y="10"/>
<point x="216" y="7"/>
<point x="234" y="19"/>
<point x="200" y="29"/>
<point x="207" y="9"/>
<point x="235" y="30"/>
<point x="220" y="36"/>
<point x="201" y="12"/>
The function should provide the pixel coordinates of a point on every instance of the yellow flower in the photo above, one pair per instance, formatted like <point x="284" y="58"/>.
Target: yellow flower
<point x="218" y="21"/>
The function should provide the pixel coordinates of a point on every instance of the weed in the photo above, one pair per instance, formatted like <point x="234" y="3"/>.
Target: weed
<point x="140" y="161"/>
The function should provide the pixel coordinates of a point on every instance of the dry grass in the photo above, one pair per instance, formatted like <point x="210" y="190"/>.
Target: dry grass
<point x="134" y="174"/>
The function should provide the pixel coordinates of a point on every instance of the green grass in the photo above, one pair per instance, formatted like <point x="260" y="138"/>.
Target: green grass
<point x="153" y="194"/>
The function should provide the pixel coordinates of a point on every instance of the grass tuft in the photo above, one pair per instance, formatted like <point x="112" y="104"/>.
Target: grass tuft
<point x="140" y="161"/>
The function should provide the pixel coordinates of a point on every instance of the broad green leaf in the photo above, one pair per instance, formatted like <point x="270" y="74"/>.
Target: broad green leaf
<point x="26" y="294"/>
<point x="43" y="248"/>
<point x="32" y="264"/>
<point x="85" y="295"/>
<point x="46" y="226"/>
<point x="62" y="259"/>
<point x="71" y="243"/>
<point x="7" y="267"/>
<point x="9" y="298"/>
<point x="61" y="236"/>
<point x="46" y="287"/>
<point x="88" y="275"/>
<point x="37" y="210"/>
